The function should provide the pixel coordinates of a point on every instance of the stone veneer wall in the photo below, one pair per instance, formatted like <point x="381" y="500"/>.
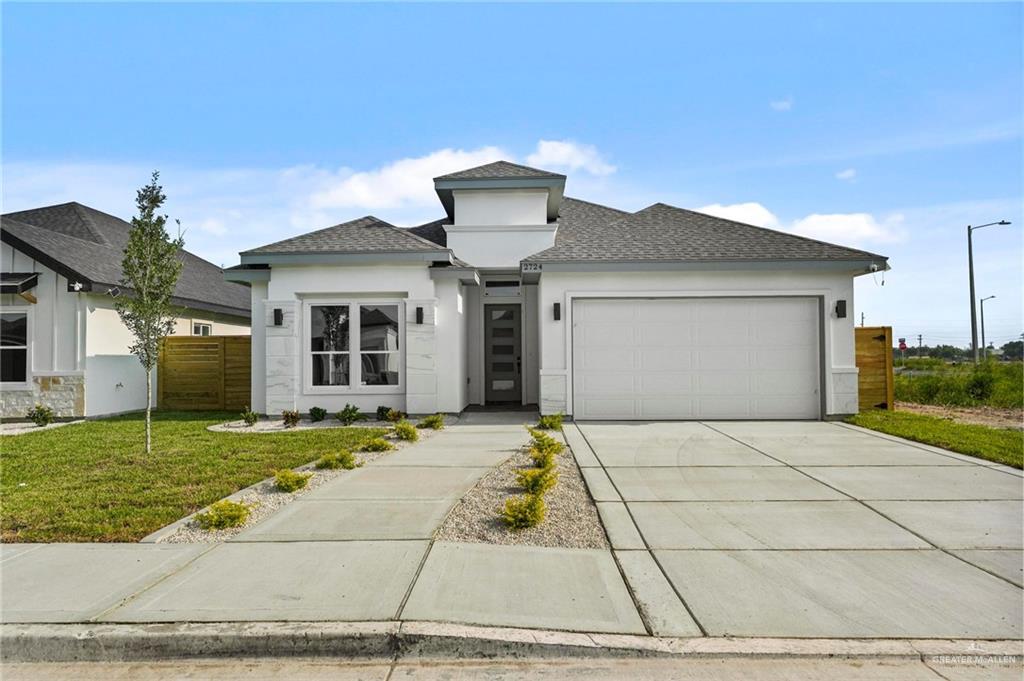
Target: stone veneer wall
<point x="64" y="393"/>
<point x="283" y="368"/>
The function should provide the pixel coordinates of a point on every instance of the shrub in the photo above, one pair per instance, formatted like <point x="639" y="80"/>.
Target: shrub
<point x="395" y="415"/>
<point x="288" y="480"/>
<point x="542" y="458"/>
<point x="523" y="512"/>
<point x="434" y="422"/>
<point x="382" y="413"/>
<point x="551" y="421"/>
<point x="317" y="414"/>
<point x="223" y="514"/>
<point x="41" y="415"/>
<point x="406" y="431"/>
<point x="377" y="444"/>
<point x="991" y="384"/>
<point x="545" y="443"/>
<point x="979" y="385"/>
<point x="343" y="459"/>
<point x="349" y="415"/>
<point x="250" y="417"/>
<point x="537" y="480"/>
<point x="291" y="418"/>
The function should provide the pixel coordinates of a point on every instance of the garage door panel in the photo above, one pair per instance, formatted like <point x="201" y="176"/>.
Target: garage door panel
<point x="707" y="358"/>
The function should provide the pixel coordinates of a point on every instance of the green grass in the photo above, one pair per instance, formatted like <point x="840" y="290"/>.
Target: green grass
<point x="1002" y="445"/>
<point x="92" y="482"/>
<point x="993" y="384"/>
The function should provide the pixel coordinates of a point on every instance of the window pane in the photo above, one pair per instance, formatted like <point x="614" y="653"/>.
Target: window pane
<point x="501" y="315"/>
<point x="330" y="369"/>
<point x="502" y="350"/>
<point x="380" y="368"/>
<point x="329" y="327"/>
<point x="378" y="327"/>
<point x="503" y="332"/>
<point x="13" y="365"/>
<point x="502" y="367"/>
<point x="13" y="329"/>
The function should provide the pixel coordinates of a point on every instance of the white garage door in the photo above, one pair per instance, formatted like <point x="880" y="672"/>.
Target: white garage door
<point x="696" y="358"/>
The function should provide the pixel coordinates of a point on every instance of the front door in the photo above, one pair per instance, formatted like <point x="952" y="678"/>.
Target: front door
<point x="502" y="354"/>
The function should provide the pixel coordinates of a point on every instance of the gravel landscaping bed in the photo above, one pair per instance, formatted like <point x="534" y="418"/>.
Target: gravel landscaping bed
<point x="275" y="425"/>
<point x="22" y="427"/>
<point x="572" y="521"/>
<point x="264" y="499"/>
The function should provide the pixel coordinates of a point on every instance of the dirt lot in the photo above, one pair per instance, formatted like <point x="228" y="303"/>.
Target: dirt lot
<point x="993" y="417"/>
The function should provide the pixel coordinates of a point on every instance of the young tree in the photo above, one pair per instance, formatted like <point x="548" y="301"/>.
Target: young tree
<point x="150" y="271"/>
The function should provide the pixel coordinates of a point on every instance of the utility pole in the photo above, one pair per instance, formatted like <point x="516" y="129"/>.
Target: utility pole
<point x="970" y="273"/>
<point x="920" y="344"/>
<point x="862" y="319"/>
<point x="984" y="348"/>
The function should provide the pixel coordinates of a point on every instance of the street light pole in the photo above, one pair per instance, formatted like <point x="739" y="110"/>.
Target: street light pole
<point x="970" y="273"/>
<point x="984" y="348"/>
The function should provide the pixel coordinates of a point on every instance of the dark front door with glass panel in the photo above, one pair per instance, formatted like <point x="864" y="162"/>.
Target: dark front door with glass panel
<point x="502" y="359"/>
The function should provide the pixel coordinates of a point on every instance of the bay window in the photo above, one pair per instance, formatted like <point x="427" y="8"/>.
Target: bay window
<point x="353" y="345"/>
<point x="13" y="347"/>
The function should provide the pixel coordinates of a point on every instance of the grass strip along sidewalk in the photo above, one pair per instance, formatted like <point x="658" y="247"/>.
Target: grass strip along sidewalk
<point x="92" y="482"/>
<point x="1001" y="445"/>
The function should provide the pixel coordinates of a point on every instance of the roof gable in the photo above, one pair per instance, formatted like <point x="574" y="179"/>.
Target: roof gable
<point x="500" y="170"/>
<point x="363" y="235"/>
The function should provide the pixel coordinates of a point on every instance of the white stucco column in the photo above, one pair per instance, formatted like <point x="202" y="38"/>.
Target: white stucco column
<point x="421" y="357"/>
<point x="258" y="388"/>
<point x="283" y="368"/>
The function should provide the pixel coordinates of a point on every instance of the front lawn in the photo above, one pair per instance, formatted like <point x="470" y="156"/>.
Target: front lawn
<point x="1002" y="445"/>
<point x="92" y="481"/>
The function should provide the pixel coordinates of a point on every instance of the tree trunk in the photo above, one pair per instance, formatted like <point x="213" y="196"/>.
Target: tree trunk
<point x="149" y="408"/>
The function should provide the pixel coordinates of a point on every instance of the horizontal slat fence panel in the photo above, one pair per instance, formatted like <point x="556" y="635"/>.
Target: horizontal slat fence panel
<point x="197" y="373"/>
<point x="874" y="361"/>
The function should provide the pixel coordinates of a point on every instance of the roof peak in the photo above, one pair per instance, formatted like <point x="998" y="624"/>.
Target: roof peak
<point x="500" y="170"/>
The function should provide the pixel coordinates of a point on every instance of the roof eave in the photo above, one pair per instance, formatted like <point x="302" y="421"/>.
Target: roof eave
<point x="345" y="258"/>
<point x="855" y="266"/>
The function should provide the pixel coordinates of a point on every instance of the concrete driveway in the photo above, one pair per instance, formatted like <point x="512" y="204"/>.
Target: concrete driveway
<point x="807" y="529"/>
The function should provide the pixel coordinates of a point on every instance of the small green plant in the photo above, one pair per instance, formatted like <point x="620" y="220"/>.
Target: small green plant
<point x="41" y="415"/>
<point x="524" y="512"/>
<point x="349" y="415"/>
<point x="317" y="414"/>
<point x="394" y="415"/>
<point x="377" y="444"/>
<point x="382" y="413"/>
<point x="223" y="514"/>
<point x="434" y="422"/>
<point x="551" y="421"/>
<point x="406" y="431"/>
<point x="343" y="459"/>
<point x="291" y="418"/>
<point x="250" y="417"/>
<point x="542" y="458"/>
<point x="543" y="442"/>
<point x="288" y="480"/>
<point x="537" y="480"/>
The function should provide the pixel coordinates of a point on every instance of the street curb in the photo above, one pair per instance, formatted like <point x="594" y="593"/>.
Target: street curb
<point x="428" y="640"/>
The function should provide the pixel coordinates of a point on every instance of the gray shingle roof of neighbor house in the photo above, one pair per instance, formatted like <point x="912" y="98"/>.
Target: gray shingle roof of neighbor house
<point x="87" y="245"/>
<point x="499" y="170"/>
<point x="664" y="233"/>
<point x="363" y="235"/>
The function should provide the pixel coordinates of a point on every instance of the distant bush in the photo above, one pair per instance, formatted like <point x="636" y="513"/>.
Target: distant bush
<point x="434" y="422"/>
<point x="990" y="384"/>
<point x="288" y="480"/>
<point x="524" y="512"/>
<point x="377" y="444"/>
<point x="41" y="415"/>
<point x="223" y="514"/>
<point x="291" y="418"/>
<point x="349" y="414"/>
<point x="551" y="421"/>
<point x="537" y="480"/>
<point x="406" y="431"/>
<point x="317" y="414"/>
<point x="250" y="417"/>
<point x="343" y="459"/>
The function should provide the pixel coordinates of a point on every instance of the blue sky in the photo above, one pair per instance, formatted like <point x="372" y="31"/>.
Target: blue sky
<point x="887" y="127"/>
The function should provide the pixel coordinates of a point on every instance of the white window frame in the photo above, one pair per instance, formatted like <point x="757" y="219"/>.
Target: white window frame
<point x="196" y="322"/>
<point x="355" y="351"/>
<point x="27" y="383"/>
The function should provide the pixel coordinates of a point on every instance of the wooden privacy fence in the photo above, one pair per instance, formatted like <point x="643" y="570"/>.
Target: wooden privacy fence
<point x="874" y="360"/>
<point x="196" y="373"/>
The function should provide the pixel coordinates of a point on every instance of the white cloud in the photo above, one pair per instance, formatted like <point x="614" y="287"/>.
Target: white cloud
<point x="782" y="104"/>
<point x="566" y="154"/>
<point x="403" y="183"/>
<point x="849" y="174"/>
<point x="750" y="213"/>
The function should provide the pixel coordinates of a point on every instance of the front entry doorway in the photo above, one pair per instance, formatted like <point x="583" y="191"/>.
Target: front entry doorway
<point x="503" y="364"/>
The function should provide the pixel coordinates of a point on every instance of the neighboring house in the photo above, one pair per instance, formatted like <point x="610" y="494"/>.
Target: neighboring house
<point x="523" y="296"/>
<point x="63" y="344"/>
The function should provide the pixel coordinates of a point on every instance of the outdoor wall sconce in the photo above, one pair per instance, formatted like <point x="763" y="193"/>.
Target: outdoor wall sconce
<point x="840" y="309"/>
<point x="278" y="317"/>
<point x="558" y="311"/>
<point x="419" y="315"/>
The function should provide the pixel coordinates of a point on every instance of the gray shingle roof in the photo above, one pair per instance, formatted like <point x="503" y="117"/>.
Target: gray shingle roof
<point x="499" y="170"/>
<point x="363" y="235"/>
<point x="433" y="231"/>
<point x="82" y="242"/>
<point x="660" y="232"/>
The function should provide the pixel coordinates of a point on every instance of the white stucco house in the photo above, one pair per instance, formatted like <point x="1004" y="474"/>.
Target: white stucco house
<point x="62" y="343"/>
<point x="520" y="295"/>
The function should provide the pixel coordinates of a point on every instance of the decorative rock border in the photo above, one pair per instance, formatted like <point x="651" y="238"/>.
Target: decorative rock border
<point x="276" y="425"/>
<point x="25" y="427"/>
